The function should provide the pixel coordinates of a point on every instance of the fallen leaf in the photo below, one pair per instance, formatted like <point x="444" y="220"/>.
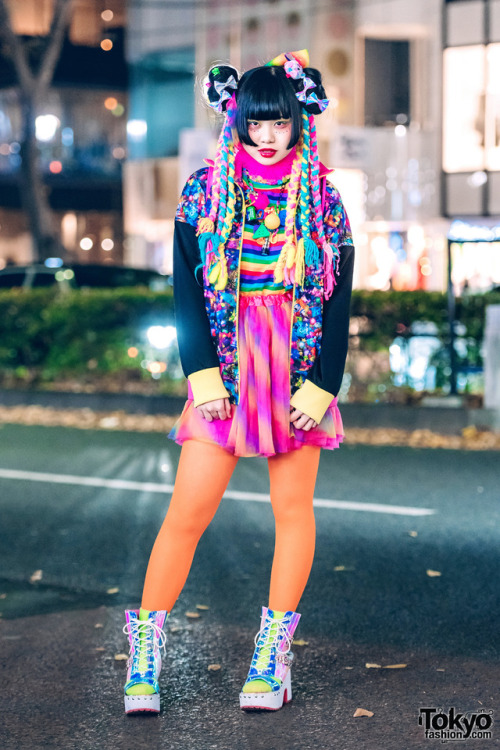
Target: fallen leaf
<point x="368" y="665"/>
<point x="339" y="568"/>
<point x="440" y="670"/>
<point x="413" y="533"/>
<point x="362" y="712"/>
<point x="469" y="433"/>
<point x="395" y="666"/>
<point x="202" y="606"/>
<point x="121" y="657"/>
<point x="98" y="625"/>
<point x="175" y="629"/>
<point x="433" y="573"/>
<point x="213" y="667"/>
<point x="301" y="642"/>
<point x="113" y="590"/>
<point x="99" y="648"/>
<point x="193" y="615"/>
<point x="36" y="576"/>
<point x="348" y="667"/>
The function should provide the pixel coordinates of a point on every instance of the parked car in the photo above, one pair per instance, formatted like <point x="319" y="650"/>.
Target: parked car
<point x="80" y="276"/>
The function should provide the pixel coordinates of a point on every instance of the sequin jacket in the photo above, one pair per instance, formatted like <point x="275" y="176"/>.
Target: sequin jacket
<point x="319" y="331"/>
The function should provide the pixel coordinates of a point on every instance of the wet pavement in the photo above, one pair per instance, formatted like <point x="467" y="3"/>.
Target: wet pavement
<point x="412" y="593"/>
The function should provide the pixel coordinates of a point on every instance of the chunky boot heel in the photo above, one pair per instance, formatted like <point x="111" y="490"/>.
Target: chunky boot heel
<point x="270" y="701"/>
<point x="269" y="682"/>
<point x="147" y="641"/>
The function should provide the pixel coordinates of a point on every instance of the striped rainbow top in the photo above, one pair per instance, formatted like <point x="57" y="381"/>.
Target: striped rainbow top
<point x="257" y="267"/>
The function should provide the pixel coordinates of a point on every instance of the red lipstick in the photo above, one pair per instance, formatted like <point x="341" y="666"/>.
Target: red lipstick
<point x="267" y="153"/>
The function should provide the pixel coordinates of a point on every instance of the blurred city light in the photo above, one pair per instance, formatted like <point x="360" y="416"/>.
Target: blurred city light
<point x="67" y="136"/>
<point x="65" y="275"/>
<point x="137" y="129"/>
<point x="53" y="262"/>
<point x="477" y="179"/>
<point x="86" y="243"/>
<point x="160" y="337"/>
<point x="46" y="127"/>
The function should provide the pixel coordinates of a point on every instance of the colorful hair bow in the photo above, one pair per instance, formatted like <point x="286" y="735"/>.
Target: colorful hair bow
<point x="294" y="64"/>
<point x="225" y="89"/>
<point x="311" y="98"/>
<point x="302" y="57"/>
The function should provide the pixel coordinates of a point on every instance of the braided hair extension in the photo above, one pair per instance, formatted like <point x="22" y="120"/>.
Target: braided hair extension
<point x="286" y="257"/>
<point x="330" y="258"/>
<point x="213" y="230"/>
<point x="219" y="274"/>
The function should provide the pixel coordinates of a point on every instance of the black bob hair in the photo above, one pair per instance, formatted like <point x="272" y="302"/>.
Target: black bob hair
<point x="265" y="93"/>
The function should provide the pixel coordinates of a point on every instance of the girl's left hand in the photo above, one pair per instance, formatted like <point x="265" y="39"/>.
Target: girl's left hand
<point x="301" y="421"/>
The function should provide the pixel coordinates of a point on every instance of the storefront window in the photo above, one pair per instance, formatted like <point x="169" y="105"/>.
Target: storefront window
<point x="463" y="112"/>
<point x="77" y="131"/>
<point x="471" y="111"/>
<point x="492" y="124"/>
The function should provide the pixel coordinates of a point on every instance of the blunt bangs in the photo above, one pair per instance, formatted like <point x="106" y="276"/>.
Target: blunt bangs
<point x="265" y="94"/>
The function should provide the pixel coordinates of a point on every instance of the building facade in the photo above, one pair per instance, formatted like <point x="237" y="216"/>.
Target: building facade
<point x="411" y="130"/>
<point x="80" y="131"/>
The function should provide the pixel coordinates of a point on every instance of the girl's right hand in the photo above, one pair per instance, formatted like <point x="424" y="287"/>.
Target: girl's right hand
<point x="218" y="409"/>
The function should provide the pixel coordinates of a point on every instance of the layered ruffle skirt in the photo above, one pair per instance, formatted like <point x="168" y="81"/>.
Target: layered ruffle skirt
<point x="260" y="423"/>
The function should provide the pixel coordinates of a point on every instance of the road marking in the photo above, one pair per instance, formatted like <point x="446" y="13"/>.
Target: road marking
<point x="123" y="484"/>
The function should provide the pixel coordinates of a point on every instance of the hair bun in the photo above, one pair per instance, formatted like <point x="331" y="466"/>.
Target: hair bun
<point x="221" y="83"/>
<point x="312" y="107"/>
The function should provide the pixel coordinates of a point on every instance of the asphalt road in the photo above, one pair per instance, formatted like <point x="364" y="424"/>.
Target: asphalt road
<point x="406" y="572"/>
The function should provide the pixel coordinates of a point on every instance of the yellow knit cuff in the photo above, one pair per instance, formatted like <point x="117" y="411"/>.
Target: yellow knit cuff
<point x="312" y="400"/>
<point x="207" y="385"/>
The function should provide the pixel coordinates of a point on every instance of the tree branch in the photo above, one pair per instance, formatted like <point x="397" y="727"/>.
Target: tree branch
<point x="60" y="22"/>
<point x="17" y="52"/>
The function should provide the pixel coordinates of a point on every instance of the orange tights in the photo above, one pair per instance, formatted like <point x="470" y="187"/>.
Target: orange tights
<point x="202" y="477"/>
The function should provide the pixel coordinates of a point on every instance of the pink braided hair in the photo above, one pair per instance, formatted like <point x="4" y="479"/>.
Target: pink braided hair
<point x="287" y="255"/>
<point x="328" y="254"/>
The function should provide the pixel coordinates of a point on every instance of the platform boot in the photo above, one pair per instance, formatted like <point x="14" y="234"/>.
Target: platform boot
<point x="147" y="640"/>
<point x="269" y="682"/>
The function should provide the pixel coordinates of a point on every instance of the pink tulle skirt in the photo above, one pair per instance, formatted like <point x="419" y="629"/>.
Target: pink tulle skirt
<point x="260" y="423"/>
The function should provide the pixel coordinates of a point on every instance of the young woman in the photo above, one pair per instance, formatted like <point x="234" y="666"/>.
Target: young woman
<point x="263" y="262"/>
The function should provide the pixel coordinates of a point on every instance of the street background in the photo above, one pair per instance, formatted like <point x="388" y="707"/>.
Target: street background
<point x="411" y="582"/>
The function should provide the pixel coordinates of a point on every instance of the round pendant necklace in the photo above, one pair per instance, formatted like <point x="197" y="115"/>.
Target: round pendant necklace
<point x="272" y="220"/>
<point x="267" y="231"/>
<point x="271" y="213"/>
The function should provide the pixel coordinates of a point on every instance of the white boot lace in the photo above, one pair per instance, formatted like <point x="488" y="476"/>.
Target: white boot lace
<point x="270" y="642"/>
<point x="135" y="628"/>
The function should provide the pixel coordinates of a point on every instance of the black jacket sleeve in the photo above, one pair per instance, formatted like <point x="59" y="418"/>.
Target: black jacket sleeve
<point x="196" y="346"/>
<point x="328" y="368"/>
